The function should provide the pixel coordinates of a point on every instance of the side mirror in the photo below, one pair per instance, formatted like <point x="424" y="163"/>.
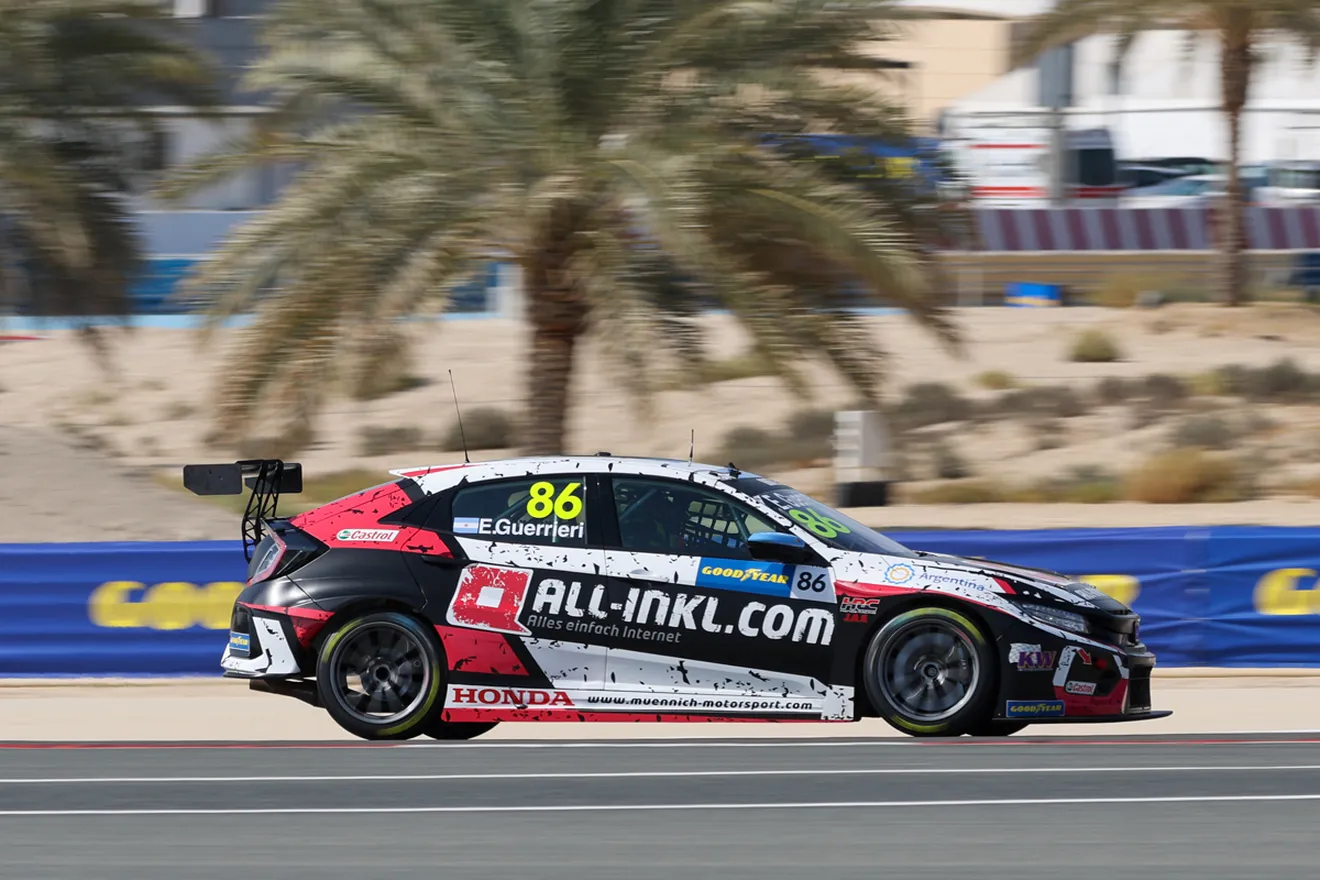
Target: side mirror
<point x="778" y="547"/>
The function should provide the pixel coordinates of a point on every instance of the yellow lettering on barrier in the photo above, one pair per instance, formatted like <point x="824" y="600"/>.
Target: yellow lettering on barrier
<point x="111" y="606"/>
<point x="168" y="606"/>
<point x="1277" y="593"/>
<point x="1123" y="587"/>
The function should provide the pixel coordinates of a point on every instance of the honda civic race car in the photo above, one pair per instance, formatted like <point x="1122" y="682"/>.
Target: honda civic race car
<point x="604" y="588"/>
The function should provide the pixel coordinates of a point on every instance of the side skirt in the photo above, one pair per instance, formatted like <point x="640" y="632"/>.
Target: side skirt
<point x="299" y="689"/>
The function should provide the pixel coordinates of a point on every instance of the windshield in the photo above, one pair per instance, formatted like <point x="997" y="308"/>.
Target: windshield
<point x="824" y="522"/>
<point x="1186" y="186"/>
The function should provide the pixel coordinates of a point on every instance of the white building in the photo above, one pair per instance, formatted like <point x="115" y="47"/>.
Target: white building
<point x="1164" y="99"/>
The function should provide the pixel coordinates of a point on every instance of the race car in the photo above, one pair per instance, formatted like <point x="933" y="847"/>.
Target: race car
<point x="607" y="588"/>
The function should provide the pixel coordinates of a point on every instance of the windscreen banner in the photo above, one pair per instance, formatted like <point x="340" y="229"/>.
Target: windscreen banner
<point x="1225" y="596"/>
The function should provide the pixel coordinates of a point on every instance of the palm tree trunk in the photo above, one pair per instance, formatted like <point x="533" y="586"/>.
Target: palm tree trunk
<point x="1235" y="72"/>
<point x="557" y="312"/>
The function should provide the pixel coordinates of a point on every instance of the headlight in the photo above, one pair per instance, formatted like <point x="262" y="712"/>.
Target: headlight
<point x="1057" y="617"/>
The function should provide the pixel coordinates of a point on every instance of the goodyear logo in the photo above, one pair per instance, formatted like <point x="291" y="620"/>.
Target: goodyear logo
<point x="1034" y="709"/>
<point x="766" y="578"/>
<point x="165" y="606"/>
<point x="1287" y="592"/>
<point x="240" y="642"/>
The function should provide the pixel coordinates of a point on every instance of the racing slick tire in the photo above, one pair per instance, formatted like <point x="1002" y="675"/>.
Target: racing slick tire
<point x="380" y="675"/>
<point x="458" y="729"/>
<point x="930" y="671"/>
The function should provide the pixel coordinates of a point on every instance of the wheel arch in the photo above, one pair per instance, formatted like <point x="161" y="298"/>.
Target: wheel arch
<point x="977" y="615"/>
<point x="358" y="606"/>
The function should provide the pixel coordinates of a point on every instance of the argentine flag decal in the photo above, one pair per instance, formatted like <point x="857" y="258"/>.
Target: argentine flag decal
<point x="467" y="525"/>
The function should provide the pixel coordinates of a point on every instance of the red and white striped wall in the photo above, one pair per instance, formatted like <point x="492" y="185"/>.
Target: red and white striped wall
<point x="1139" y="229"/>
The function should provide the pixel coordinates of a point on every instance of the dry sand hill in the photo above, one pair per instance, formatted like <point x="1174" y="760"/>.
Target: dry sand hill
<point x="82" y="452"/>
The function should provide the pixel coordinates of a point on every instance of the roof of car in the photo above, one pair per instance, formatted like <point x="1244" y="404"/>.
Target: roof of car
<point x="599" y="463"/>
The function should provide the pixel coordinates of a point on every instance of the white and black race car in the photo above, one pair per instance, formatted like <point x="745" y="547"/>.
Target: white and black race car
<point x="604" y="588"/>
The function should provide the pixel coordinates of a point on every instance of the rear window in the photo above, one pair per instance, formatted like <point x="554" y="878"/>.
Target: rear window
<point x="534" y="510"/>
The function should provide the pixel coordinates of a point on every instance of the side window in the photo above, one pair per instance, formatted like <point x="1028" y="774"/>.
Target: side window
<point x="535" y="510"/>
<point x="664" y="516"/>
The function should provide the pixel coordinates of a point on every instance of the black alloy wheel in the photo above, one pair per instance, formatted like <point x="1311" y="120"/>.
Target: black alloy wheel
<point x="380" y="676"/>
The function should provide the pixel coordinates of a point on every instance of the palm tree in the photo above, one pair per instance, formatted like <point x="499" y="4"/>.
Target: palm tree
<point x="74" y="75"/>
<point x="611" y="149"/>
<point x="1240" y="26"/>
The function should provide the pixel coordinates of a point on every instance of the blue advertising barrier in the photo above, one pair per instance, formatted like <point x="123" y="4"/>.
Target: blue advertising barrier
<point x="1228" y="596"/>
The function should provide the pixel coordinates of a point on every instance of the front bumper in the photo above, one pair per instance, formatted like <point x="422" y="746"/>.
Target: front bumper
<point x="1050" y="680"/>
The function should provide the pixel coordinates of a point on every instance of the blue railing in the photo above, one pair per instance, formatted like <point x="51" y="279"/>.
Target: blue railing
<point x="1229" y="597"/>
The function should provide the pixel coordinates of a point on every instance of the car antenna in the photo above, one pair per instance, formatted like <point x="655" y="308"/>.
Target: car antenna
<point x="692" y="444"/>
<point x="462" y="436"/>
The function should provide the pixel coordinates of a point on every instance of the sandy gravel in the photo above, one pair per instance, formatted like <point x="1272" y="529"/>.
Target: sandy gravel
<point x="1202" y="701"/>
<point x="74" y="435"/>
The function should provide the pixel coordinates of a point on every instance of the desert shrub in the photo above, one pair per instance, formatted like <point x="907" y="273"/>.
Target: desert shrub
<point x="1203" y="432"/>
<point x="286" y="445"/>
<point x="1112" y="389"/>
<point x="808" y="436"/>
<point x="1184" y="476"/>
<point x="486" y="427"/>
<point x="812" y="423"/>
<point x="1089" y="484"/>
<point x="1048" y="434"/>
<point x="1059" y="401"/>
<point x="750" y="447"/>
<point x="1281" y="380"/>
<point x="1163" y="390"/>
<point x="1208" y="384"/>
<point x="1308" y="486"/>
<point x="1045" y="401"/>
<point x="996" y="380"/>
<point x="1233" y="379"/>
<point x="1258" y="423"/>
<point x="177" y="409"/>
<point x="374" y="440"/>
<point x="931" y="403"/>
<point x="1085" y="484"/>
<point x="962" y="492"/>
<point x="948" y="464"/>
<point x="1143" y="415"/>
<point x="1094" y="347"/>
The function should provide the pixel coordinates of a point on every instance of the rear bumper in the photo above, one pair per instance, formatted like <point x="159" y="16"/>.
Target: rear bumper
<point x="262" y="644"/>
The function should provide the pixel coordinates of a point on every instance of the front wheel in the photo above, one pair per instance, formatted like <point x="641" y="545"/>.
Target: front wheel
<point x="931" y="672"/>
<point x="379" y="676"/>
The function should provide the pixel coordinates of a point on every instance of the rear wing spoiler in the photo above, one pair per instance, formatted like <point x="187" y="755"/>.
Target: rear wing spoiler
<point x="268" y="478"/>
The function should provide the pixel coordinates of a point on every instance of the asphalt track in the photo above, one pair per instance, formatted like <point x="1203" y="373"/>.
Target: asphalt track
<point x="1028" y="807"/>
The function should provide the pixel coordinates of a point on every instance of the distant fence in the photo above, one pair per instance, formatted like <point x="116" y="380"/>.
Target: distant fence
<point x="1095" y="250"/>
<point x="1231" y="596"/>
<point x="1190" y="228"/>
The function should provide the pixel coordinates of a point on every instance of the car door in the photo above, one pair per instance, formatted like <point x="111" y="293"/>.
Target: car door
<point x="697" y="613"/>
<point x="528" y="546"/>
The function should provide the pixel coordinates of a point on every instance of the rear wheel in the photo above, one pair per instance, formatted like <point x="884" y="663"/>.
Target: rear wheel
<point x="458" y="729"/>
<point x="379" y="676"/>
<point x="931" y="672"/>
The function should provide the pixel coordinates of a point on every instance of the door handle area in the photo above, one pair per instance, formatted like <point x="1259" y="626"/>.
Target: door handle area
<point x="641" y="572"/>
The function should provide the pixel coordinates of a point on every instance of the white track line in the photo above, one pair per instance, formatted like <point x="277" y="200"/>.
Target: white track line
<point x="655" y="774"/>
<point x="632" y="808"/>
